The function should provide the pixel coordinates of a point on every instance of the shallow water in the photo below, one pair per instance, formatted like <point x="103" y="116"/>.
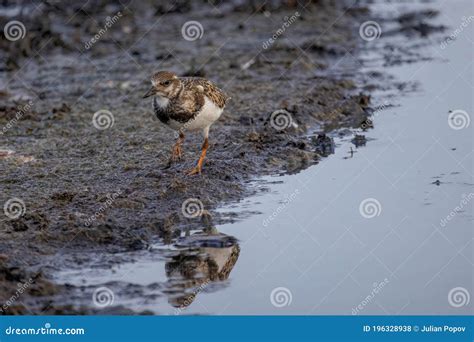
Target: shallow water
<point x="311" y="246"/>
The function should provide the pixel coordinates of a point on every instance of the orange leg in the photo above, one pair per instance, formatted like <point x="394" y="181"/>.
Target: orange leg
<point x="198" y="167"/>
<point x="177" y="151"/>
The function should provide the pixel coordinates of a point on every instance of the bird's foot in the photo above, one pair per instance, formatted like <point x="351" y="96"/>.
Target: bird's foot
<point x="198" y="168"/>
<point x="176" y="155"/>
<point x="194" y="170"/>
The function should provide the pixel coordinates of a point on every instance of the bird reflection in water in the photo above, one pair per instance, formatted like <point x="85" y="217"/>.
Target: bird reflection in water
<point x="203" y="258"/>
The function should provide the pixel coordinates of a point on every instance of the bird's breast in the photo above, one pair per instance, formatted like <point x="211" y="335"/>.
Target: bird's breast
<point x="208" y="113"/>
<point x="160" y="105"/>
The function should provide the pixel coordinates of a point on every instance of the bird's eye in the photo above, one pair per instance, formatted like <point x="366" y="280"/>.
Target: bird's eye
<point x="166" y="83"/>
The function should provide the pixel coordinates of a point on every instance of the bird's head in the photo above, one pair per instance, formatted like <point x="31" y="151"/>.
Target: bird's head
<point x="165" y="84"/>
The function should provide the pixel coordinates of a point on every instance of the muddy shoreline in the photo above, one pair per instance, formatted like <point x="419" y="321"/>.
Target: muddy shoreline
<point x="89" y="192"/>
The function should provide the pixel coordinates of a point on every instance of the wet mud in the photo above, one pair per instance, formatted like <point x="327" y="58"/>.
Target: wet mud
<point x="89" y="192"/>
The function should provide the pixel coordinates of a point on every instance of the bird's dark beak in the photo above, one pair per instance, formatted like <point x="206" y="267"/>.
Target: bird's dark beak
<point x="150" y="92"/>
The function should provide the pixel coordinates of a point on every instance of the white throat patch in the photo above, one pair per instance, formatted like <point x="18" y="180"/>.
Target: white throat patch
<point x="161" y="101"/>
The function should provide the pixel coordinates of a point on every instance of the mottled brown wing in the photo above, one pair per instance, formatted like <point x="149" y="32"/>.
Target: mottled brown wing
<point x="188" y="106"/>
<point x="209" y="89"/>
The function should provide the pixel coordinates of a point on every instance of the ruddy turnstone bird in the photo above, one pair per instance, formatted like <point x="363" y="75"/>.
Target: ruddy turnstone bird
<point x="186" y="104"/>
